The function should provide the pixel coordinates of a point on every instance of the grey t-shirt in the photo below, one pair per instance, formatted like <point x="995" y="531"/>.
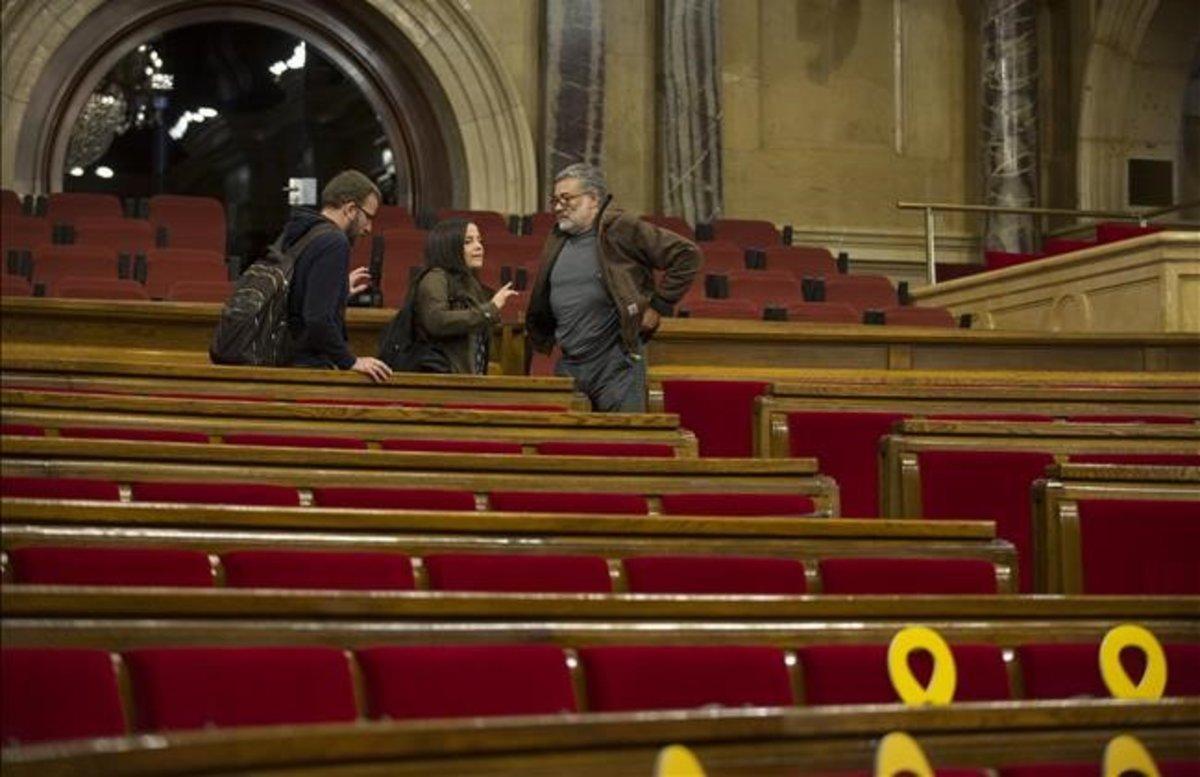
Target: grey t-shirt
<point x="588" y="323"/>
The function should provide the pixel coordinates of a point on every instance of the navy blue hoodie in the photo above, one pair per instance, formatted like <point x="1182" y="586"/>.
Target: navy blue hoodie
<point x="317" y="299"/>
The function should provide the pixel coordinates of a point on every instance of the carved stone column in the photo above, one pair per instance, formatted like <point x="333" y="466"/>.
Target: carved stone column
<point x="573" y="117"/>
<point x="1010" y="121"/>
<point x="690" y="108"/>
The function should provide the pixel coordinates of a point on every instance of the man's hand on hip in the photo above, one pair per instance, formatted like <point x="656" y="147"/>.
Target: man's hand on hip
<point x="372" y="368"/>
<point x="650" y="320"/>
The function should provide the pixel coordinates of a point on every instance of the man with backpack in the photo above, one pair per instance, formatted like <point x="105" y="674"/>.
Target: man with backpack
<point x="321" y="283"/>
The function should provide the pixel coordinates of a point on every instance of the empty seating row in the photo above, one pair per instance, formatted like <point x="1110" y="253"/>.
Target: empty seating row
<point x="195" y="685"/>
<point x="1105" y="232"/>
<point x="49" y="268"/>
<point x="306" y="569"/>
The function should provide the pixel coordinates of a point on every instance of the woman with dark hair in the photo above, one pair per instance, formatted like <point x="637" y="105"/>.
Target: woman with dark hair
<point x="452" y="311"/>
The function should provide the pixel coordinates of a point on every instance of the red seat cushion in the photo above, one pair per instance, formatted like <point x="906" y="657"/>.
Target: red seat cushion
<point x="22" y="430"/>
<point x="318" y="570"/>
<point x="58" y="693"/>
<point x="1061" y="671"/>
<point x="218" y="493"/>
<point x="907" y="576"/>
<point x="568" y="502"/>
<point x="737" y="504"/>
<point x="858" y="674"/>
<point x="393" y="498"/>
<point x="446" y="681"/>
<point x="719" y="412"/>
<point x="1111" y="231"/>
<point x="180" y="688"/>
<point x="512" y="572"/>
<point x="111" y="566"/>
<point x="714" y="575"/>
<point x="116" y="433"/>
<point x="1165" y="533"/>
<point x="453" y="446"/>
<point x="845" y="445"/>
<point x="295" y="441"/>
<point x="1130" y="419"/>
<point x="991" y="485"/>
<point x="1152" y="459"/>
<point x="59" y="488"/>
<point x="646" y="678"/>
<point x="626" y="449"/>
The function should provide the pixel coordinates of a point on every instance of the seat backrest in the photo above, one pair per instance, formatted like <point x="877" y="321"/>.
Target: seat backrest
<point x="198" y="687"/>
<point x="53" y="565"/>
<point x="393" y="217"/>
<point x="10" y="203"/>
<point x="672" y="223"/>
<point x="1067" y="670"/>
<point x="1166" y="534"/>
<point x="858" y="674"/>
<point x="131" y="433"/>
<point x="863" y="292"/>
<point x="448" y="681"/>
<point x="58" y="693"/>
<point x="295" y="441"/>
<point x="120" y="234"/>
<point x="59" y="488"/>
<point x="68" y="207"/>
<point x="170" y="210"/>
<point x="765" y="287"/>
<point x="748" y="233"/>
<point x="1112" y="231"/>
<point x="217" y="493"/>
<point x="719" y="412"/>
<point x="542" y="224"/>
<point x="743" y="309"/>
<point x="802" y="261"/>
<point x="823" y="312"/>
<point x="910" y="316"/>
<point x="722" y="256"/>
<point x="167" y="267"/>
<point x="199" y="291"/>
<point x="714" y="575"/>
<point x="732" y="503"/>
<point x="14" y="286"/>
<point x="647" y="678"/>
<point x="24" y="232"/>
<point x="393" y="498"/>
<point x="73" y="287"/>
<point x="846" y="445"/>
<point x="318" y="570"/>
<point x="639" y="450"/>
<point x="453" y="446"/>
<point x="54" y="262"/>
<point x="865" y="575"/>
<point x="518" y="573"/>
<point x="489" y="221"/>
<point x="567" y="502"/>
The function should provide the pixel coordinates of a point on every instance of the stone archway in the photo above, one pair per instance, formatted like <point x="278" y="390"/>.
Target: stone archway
<point x="55" y="51"/>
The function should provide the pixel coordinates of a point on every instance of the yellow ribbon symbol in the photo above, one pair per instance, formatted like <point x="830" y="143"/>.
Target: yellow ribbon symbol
<point x="942" y="681"/>
<point x="898" y="753"/>
<point x="677" y="761"/>
<point x="1119" y="684"/>
<point x="1127" y="754"/>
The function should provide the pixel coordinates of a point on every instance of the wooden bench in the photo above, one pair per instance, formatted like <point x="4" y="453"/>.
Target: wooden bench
<point x="1059" y="564"/>
<point x="768" y="742"/>
<point x="215" y="418"/>
<point x="134" y="371"/>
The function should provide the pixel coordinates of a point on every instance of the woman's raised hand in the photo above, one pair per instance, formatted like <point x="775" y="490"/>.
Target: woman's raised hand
<point x="502" y="296"/>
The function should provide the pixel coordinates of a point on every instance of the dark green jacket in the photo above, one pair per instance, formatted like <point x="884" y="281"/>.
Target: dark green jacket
<point x="450" y="311"/>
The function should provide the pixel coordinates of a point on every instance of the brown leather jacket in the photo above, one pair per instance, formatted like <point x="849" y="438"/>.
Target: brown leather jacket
<point x="630" y="251"/>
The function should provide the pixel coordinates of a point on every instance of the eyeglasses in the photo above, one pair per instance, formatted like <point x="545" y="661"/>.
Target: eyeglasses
<point x="564" y="200"/>
<point x="370" y="216"/>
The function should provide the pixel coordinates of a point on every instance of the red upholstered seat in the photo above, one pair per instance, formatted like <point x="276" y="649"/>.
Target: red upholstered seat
<point x="1058" y="245"/>
<point x="748" y="233"/>
<point x="541" y="224"/>
<point x="352" y="571"/>
<point x="802" y="261"/>
<point x="58" y="693"/>
<point x="22" y="430"/>
<point x="726" y="503"/>
<point x="448" y="681"/>
<point x="823" y="312"/>
<point x="740" y="309"/>
<point x="217" y="493"/>
<point x="54" y="264"/>
<point x="1165" y="533"/>
<point x="489" y="221"/>
<point x="393" y="217"/>
<point x="199" y="291"/>
<point x="858" y="674"/>
<point x="118" y="433"/>
<point x="182" y="688"/>
<point x="453" y="446"/>
<point x="1061" y="671"/>
<point x="24" y="233"/>
<point x="166" y="267"/>
<point x="510" y="406"/>
<point x="568" y="502"/>
<point x="622" y="449"/>
<point x="998" y="260"/>
<point x="130" y="236"/>
<point x="647" y="678"/>
<point x="69" y="207"/>
<point x="907" y="576"/>
<point x="1152" y="459"/>
<point x="714" y="575"/>
<point x="1112" y="231"/>
<point x="1130" y="419"/>
<point x="719" y="412"/>
<point x="295" y="441"/>
<point x="1025" y="418"/>
<point x="111" y="566"/>
<point x="518" y="573"/>
<point x="393" y="498"/>
<point x="845" y="445"/>
<point x="189" y="222"/>
<point x="15" y="286"/>
<point x="722" y="256"/>
<point x="59" y="488"/>
<point x="910" y="316"/>
<point x="765" y="288"/>
<point x="991" y="485"/>
<point x="71" y="287"/>
<point x="10" y="203"/>
<point x="862" y="292"/>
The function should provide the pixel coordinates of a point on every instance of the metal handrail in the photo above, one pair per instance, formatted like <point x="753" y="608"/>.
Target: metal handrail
<point x="930" y="207"/>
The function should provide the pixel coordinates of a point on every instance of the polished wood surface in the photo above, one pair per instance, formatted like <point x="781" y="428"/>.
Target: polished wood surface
<point x="761" y="741"/>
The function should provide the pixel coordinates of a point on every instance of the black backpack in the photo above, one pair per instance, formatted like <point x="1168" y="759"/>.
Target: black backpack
<point x="253" y="325"/>
<point x="399" y="347"/>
